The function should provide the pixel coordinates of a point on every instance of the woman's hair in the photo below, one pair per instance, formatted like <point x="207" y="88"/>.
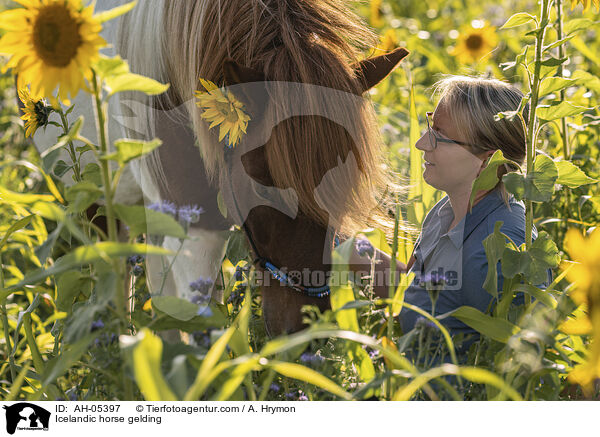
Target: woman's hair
<point x="474" y="103"/>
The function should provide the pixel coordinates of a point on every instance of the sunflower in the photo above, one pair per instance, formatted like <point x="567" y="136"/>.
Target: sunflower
<point x="388" y="41"/>
<point x="586" y="4"/>
<point x="51" y="43"/>
<point x="222" y="108"/>
<point x="35" y="112"/>
<point x="474" y="43"/>
<point x="586" y="293"/>
<point x="376" y="18"/>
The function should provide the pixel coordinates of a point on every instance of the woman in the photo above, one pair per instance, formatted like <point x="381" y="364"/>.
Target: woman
<point x="449" y="260"/>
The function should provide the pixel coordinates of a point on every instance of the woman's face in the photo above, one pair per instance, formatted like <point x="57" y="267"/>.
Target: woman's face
<point x="449" y="167"/>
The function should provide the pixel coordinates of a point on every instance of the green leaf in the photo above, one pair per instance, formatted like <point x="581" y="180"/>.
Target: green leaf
<point x="81" y="195"/>
<point x="558" y="43"/>
<point x="61" y="168"/>
<point x="497" y="329"/>
<point x="221" y="205"/>
<point x="20" y="224"/>
<point x="99" y="252"/>
<point x="175" y="307"/>
<point x="362" y="362"/>
<point x="237" y="247"/>
<point x="494" y="245"/>
<point x="488" y="178"/>
<point x="68" y="288"/>
<point x="559" y="110"/>
<point x="571" y="175"/>
<point x="134" y="82"/>
<point x="107" y="67"/>
<point x="534" y="263"/>
<point x="474" y="374"/>
<point x="518" y="20"/>
<point x="128" y="150"/>
<point x="554" y="62"/>
<point x="538" y="185"/>
<point x="398" y="300"/>
<point x="142" y="220"/>
<point x="553" y="84"/>
<point x="91" y="173"/>
<point x="58" y="366"/>
<point x="117" y="78"/>
<point x="239" y="341"/>
<point x="146" y="368"/>
<point x="377" y="238"/>
<point x="302" y="373"/>
<point x="210" y="361"/>
<point x="105" y="16"/>
<point x="576" y="24"/>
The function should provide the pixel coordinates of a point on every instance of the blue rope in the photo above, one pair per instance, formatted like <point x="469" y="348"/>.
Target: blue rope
<point x="323" y="291"/>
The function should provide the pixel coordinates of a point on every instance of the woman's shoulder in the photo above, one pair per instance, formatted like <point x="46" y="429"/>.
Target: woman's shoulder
<point x="512" y="216"/>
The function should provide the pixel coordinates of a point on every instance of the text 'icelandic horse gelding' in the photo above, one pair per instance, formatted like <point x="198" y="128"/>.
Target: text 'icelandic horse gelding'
<point x="307" y="169"/>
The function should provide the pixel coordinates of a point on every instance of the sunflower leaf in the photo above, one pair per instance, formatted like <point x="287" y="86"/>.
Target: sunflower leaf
<point x="105" y="16"/>
<point x="518" y="20"/>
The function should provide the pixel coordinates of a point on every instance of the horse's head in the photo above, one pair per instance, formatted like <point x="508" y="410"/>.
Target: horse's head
<point x="305" y="172"/>
<point x="311" y="163"/>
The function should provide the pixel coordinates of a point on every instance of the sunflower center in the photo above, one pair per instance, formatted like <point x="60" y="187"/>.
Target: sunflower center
<point x="474" y="42"/>
<point x="56" y="36"/>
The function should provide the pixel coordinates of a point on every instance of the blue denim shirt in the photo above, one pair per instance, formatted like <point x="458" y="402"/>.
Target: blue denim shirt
<point x="459" y="257"/>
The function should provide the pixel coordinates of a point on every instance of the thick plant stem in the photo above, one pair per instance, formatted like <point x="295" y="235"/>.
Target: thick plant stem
<point x="121" y="303"/>
<point x="532" y="125"/>
<point x="561" y="55"/>
<point x="392" y="287"/>
<point x="104" y="165"/>
<point x="5" y="328"/>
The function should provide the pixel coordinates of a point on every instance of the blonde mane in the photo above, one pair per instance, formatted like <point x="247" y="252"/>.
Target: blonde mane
<point x="301" y="41"/>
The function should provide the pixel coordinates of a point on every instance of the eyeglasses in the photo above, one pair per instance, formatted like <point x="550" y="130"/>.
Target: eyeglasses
<point x="435" y="139"/>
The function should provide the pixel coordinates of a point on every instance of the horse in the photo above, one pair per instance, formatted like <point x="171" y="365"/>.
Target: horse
<point x="307" y="171"/>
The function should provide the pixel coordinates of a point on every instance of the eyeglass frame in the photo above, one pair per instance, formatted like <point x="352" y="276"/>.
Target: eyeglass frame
<point x="436" y="139"/>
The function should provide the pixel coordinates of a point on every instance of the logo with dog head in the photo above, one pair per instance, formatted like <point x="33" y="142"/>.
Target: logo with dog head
<point x="26" y="416"/>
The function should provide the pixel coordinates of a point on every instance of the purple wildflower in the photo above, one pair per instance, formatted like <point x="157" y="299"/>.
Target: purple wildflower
<point x="424" y="322"/>
<point x="189" y="214"/>
<point x="239" y="274"/>
<point x="364" y="248"/>
<point x="199" y="299"/>
<point x="135" y="259"/>
<point x="97" y="324"/>
<point x="165" y="207"/>
<point x="373" y="354"/>
<point x="302" y="397"/>
<point x="202" y="285"/>
<point x="137" y="270"/>
<point x="274" y="387"/>
<point x="205" y="312"/>
<point x="307" y="358"/>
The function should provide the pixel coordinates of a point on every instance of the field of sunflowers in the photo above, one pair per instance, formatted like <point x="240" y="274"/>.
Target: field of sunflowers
<point x="68" y="332"/>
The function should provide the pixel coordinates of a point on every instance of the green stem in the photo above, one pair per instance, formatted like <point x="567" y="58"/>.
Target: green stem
<point x="104" y="164"/>
<point x="392" y="288"/>
<point x="101" y="126"/>
<point x="71" y="150"/>
<point x="531" y="128"/>
<point x="561" y="55"/>
<point x="38" y="362"/>
<point x="5" y="328"/>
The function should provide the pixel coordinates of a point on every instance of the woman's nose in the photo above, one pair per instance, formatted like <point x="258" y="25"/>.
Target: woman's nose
<point x="423" y="142"/>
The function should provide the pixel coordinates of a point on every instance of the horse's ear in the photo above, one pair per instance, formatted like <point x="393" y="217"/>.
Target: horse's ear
<point x="254" y="96"/>
<point x="373" y="70"/>
<point x="236" y="74"/>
